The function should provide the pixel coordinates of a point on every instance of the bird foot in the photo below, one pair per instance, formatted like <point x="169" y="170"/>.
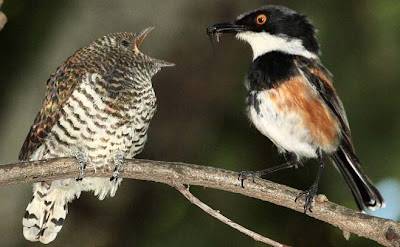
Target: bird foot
<point x="309" y="196"/>
<point x="82" y="161"/>
<point x="118" y="161"/>
<point x="248" y="174"/>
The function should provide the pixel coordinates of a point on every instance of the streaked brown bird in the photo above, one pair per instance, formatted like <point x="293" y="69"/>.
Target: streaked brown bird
<point x="292" y="101"/>
<point x="97" y="108"/>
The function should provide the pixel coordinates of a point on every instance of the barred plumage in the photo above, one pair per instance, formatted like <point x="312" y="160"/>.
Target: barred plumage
<point x="98" y="107"/>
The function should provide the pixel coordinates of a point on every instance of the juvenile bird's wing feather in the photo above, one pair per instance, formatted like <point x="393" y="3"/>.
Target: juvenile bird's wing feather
<point x="59" y="87"/>
<point x="61" y="84"/>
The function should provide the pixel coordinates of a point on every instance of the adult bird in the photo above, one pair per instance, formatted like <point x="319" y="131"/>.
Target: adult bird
<point x="292" y="101"/>
<point x="97" y="108"/>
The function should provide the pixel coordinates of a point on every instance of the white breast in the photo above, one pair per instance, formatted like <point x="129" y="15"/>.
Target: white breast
<point x="285" y="130"/>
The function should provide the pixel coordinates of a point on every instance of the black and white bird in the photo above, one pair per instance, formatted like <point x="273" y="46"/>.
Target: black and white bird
<point x="292" y="101"/>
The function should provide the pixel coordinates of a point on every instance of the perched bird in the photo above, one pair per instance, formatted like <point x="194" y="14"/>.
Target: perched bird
<point x="97" y="108"/>
<point x="291" y="99"/>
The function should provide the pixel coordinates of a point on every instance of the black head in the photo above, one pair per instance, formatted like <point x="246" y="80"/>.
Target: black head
<point x="273" y="28"/>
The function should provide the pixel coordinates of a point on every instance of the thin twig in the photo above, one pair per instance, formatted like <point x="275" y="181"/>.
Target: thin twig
<point x="216" y="214"/>
<point x="383" y="231"/>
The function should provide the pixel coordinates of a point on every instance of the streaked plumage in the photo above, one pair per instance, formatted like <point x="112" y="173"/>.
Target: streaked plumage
<point x="98" y="106"/>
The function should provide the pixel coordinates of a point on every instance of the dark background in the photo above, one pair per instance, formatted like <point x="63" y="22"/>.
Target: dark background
<point x="200" y="116"/>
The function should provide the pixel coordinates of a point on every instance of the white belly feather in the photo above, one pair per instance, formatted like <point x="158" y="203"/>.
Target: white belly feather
<point x="285" y="130"/>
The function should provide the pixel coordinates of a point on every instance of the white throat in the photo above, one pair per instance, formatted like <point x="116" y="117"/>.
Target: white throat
<point x="262" y="43"/>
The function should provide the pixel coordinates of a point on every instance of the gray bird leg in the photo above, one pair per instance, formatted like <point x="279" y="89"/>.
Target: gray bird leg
<point x="118" y="161"/>
<point x="82" y="159"/>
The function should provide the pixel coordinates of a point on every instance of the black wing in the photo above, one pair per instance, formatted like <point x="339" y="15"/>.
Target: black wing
<point x="321" y="79"/>
<point x="345" y="159"/>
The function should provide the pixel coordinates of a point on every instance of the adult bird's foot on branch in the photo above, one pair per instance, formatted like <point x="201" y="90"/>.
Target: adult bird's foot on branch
<point x="248" y="174"/>
<point x="309" y="196"/>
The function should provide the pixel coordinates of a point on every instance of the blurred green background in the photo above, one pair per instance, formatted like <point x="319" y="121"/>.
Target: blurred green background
<point x="201" y="117"/>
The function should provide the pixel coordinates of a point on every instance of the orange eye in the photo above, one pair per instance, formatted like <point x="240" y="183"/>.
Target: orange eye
<point x="261" y="19"/>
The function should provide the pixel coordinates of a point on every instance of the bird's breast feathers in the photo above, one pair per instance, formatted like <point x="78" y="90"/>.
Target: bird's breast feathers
<point x="89" y="123"/>
<point x="294" y="117"/>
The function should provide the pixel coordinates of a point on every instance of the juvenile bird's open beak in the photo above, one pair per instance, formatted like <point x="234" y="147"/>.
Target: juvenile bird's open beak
<point x="157" y="62"/>
<point x="143" y="35"/>
<point x="226" y="27"/>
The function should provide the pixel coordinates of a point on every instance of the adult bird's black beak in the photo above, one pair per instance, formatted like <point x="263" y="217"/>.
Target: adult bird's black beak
<point x="226" y="27"/>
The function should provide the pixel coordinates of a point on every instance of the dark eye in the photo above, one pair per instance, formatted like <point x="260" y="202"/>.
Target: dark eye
<point x="125" y="43"/>
<point x="261" y="19"/>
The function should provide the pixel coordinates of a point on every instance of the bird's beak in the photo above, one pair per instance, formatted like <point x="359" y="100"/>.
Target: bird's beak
<point x="143" y="35"/>
<point x="159" y="63"/>
<point x="226" y="27"/>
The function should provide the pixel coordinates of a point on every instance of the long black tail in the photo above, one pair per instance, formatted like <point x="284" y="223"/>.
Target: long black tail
<point x="364" y="192"/>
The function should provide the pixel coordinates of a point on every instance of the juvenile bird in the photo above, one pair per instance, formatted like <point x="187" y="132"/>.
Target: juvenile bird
<point x="291" y="99"/>
<point x="97" y="108"/>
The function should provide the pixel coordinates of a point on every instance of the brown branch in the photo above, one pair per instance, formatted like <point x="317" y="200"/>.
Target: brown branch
<point x="216" y="214"/>
<point x="3" y="18"/>
<point x="385" y="232"/>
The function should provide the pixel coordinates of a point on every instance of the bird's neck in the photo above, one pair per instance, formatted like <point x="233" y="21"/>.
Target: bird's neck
<point x="270" y="69"/>
<point x="262" y="43"/>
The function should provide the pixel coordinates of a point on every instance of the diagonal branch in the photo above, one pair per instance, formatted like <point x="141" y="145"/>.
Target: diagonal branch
<point x="385" y="232"/>
<point x="216" y="214"/>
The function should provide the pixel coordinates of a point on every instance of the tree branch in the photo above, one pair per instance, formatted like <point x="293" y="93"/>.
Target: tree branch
<point x="3" y="18"/>
<point x="216" y="214"/>
<point x="385" y="232"/>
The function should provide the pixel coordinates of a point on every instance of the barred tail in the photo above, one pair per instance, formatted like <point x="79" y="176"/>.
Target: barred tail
<point x="364" y="191"/>
<point x="44" y="215"/>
